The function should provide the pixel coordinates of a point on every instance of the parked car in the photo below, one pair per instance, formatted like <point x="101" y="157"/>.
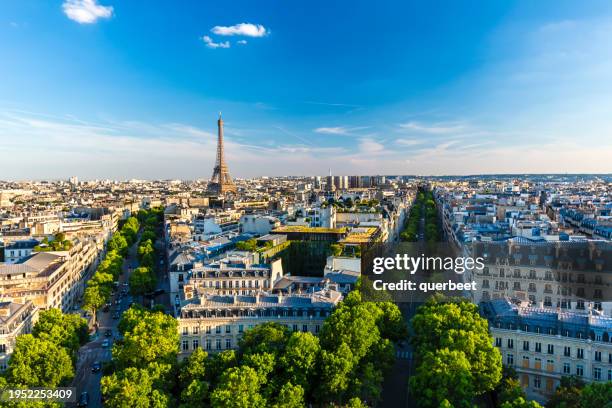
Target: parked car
<point x="106" y="343"/>
<point x="83" y="399"/>
<point x="108" y="333"/>
<point x="116" y="316"/>
<point x="96" y="367"/>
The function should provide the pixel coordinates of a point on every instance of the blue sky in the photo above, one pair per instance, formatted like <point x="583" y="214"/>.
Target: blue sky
<point x="132" y="89"/>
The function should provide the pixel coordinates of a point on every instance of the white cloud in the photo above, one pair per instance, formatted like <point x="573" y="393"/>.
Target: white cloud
<point x="408" y="142"/>
<point x="245" y="29"/>
<point x="337" y="130"/>
<point x="211" y="44"/>
<point x="241" y="42"/>
<point x="86" y="11"/>
<point x="367" y="145"/>
<point x="434" y="129"/>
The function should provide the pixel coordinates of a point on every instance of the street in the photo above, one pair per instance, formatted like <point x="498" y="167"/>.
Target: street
<point x="85" y="379"/>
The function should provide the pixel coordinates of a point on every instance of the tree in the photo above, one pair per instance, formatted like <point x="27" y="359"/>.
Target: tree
<point x="118" y="243"/>
<point x="510" y="390"/>
<point x="238" y="388"/>
<point x="147" y="337"/>
<point x="132" y="387"/>
<point x="95" y="297"/>
<point x="299" y="360"/>
<point x="66" y="330"/>
<point x="520" y="402"/>
<point x="597" y="395"/>
<point x="192" y="379"/>
<point x="142" y="281"/>
<point x="336" y="367"/>
<point x="443" y="375"/>
<point x="290" y="396"/>
<point x="455" y="324"/>
<point x="264" y="338"/>
<point x="567" y="394"/>
<point x="336" y="249"/>
<point x="248" y="245"/>
<point x="38" y="362"/>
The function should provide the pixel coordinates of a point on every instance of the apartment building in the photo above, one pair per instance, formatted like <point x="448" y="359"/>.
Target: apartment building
<point x="15" y="319"/>
<point x="51" y="279"/>
<point x="567" y="275"/>
<point x="217" y="322"/>
<point x="544" y="344"/>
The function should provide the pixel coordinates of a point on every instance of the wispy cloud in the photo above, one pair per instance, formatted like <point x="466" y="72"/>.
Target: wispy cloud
<point x="211" y="44"/>
<point x="437" y="128"/>
<point x="244" y="29"/>
<point x="368" y="145"/>
<point x="408" y="142"/>
<point x="86" y="11"/>
<point x="339" y="130"/>
<point x="241" y="42"/>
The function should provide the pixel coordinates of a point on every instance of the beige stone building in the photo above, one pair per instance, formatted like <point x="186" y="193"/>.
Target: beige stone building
<point x="15" y="319"/>
<point x="217" y="322"/>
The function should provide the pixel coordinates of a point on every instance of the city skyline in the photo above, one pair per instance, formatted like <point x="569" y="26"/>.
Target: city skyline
<point x="419" y="89"/>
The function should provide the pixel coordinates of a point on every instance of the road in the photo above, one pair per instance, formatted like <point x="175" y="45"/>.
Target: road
<point x="395" y="388"/>
<point x="85" y="379"/>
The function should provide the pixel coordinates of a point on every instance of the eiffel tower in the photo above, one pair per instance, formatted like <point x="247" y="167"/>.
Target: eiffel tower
<point x="221" y="182"/>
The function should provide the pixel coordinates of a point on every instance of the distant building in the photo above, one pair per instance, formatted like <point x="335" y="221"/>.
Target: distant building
<point x="17" y="250"/>
<point x="258" y="224"/>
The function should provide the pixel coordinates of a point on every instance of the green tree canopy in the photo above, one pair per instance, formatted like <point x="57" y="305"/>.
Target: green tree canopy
<point x="238" y="388"/>
<point x="66" y="330"/>
<point x="38" y="362"/>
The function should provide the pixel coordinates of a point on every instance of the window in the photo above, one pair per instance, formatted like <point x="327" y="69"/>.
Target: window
<point x="196" y="330"/>
<point x="228" y="328"/>
<point x="538" y="348"/>
<point x="228" y="343"/>
<point x="498" y="342"/>
<point x="295" y="328"/>
<point x="567" y="351"/>
<point x="551" y="349"/>
<point x="526" y="345"/>
<point x="579" y="353"/>
<point x="185" y="330"/>
<point x="598" y="356"/>
<point x="218" y="344"/>
<point x="579" y="370"/>
<point x="2" y="348"/>
<point x="510" y="359"/>
<point x="185" y="345"/>
<point x="207" y="329"/>
<point x="218" y="329"/>
<point x="525" y="362"/>
<point x="240" y="328"/>
<point x="317" y="328"/>
<point x="566" y="368"/>
<point x="304" y="328"/>
<point x="597" y="373"/>
<point x="609" y="375"/>
<point x="537" y="381"/>
<point x="208" y="344"/>
<point x="196" y="343"/>
<point x="510" y="343"/>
